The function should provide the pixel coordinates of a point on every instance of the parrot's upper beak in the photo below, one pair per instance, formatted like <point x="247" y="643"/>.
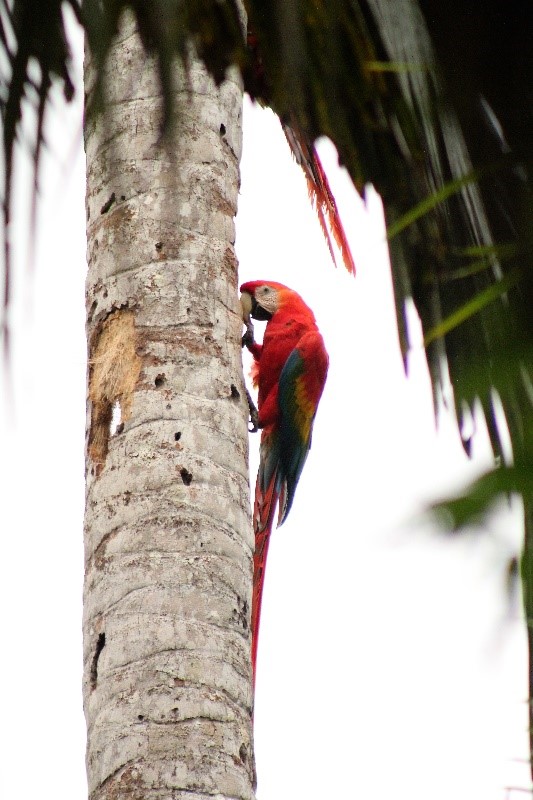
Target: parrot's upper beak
<point x="246" y="306"/>
<point x="251" y="308"/>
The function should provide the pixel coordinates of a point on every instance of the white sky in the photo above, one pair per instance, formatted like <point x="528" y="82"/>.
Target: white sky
<point x="392" y="662"/>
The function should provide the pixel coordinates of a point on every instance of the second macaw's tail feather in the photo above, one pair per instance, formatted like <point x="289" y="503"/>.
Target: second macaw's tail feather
<point x="320" y="192"/>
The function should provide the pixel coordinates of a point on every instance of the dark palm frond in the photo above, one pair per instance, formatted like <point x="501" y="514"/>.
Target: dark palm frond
<point x="450" y="155"/>
<point x="433" y="103"/>
<point x="214" y="27"/>
<point x="33" y="52"/>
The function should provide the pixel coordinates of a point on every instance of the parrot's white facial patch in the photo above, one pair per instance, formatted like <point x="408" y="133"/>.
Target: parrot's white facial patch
<point x="246" y="306"/>
<point x="267" y="298"/>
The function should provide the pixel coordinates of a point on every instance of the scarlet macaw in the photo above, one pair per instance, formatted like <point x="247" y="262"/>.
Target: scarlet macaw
<point x="289" y="369"/>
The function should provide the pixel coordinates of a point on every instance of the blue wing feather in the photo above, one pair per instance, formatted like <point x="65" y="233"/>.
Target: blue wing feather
<point x="293" y="447"/>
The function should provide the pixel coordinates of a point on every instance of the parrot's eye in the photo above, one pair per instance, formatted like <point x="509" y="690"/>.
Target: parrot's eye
<point x="266" y="304"/>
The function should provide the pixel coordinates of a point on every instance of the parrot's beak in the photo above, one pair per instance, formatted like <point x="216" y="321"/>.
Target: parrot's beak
<point x="246" y="306"/>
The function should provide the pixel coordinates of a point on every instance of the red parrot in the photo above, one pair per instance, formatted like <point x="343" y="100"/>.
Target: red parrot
<point x="289" y="370"/>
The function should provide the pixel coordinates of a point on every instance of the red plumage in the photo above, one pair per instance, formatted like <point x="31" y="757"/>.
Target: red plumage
<point x="290" y="369"/>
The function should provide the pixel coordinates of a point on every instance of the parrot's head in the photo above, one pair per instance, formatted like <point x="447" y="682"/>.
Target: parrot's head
<point x="261" y="299"/>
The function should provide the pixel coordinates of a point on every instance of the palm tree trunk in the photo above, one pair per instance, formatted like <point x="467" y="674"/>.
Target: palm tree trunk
<point x="167" y="687"/>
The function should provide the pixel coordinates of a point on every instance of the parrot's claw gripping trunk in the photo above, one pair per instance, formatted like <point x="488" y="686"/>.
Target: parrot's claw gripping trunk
<point x="248" y="337"/>
<point x="254" y="416"/>
<point x="248" y="340"/>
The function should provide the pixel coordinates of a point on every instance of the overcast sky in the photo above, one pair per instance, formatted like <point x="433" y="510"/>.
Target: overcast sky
<point x="392" y="659"/>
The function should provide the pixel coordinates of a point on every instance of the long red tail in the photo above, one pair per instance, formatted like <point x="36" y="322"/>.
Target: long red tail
<point x="264" y="508"/>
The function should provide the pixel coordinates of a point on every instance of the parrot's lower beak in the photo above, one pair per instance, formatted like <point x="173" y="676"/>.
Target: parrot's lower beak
<point x="251" y="308"/>
<point x="260" y="313"/>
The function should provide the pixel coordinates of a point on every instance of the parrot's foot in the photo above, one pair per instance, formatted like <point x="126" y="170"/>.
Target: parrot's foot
<point x="254" y="416"/>
<point x="248" y="338"/>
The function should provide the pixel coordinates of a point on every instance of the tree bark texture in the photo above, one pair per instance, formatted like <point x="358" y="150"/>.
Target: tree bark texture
<point x="167" y="682"/>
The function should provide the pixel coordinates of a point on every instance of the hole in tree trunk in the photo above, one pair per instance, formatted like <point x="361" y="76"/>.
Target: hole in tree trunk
<point x="186" y="476"/>
<point x="100" y="644"/>
<point x="116" y="425"/>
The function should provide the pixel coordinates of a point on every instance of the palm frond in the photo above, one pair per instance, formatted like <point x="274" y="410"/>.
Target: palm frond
<point x="431" y="102"/>
<point x="31" y="35"/>
<point x="473" y="506"/>
<point x="34" y="53"/>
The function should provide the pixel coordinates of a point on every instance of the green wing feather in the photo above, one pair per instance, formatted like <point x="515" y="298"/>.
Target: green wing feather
<point x="300" y="386"/>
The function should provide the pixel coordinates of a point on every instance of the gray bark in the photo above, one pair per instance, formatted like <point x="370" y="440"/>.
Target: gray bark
<point x="167" y="682"/>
